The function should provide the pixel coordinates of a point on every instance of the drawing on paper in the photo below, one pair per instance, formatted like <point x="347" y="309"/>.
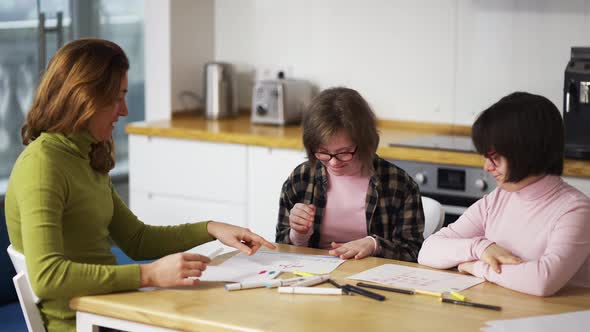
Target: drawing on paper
<point x="401" y="276"/>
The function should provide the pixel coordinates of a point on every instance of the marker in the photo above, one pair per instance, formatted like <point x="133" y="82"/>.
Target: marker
<point x="284" y="282"/>
<point x="310" y="290"/>
<point x="337" y="285"/>
<point x="245" y="285"/>
<point x="389" y="289"/>
<point x="471" y="304"/>
<point x="310" y="281"/>
<point x="425" y="292"/>
<point x="303" y="274"/>
<point x="458" y="296"/>
<point x="360" y="291"/>
<point x="215" y="252"/>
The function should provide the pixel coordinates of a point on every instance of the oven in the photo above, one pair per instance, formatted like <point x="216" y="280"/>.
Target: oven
<point x="455" y="187"/>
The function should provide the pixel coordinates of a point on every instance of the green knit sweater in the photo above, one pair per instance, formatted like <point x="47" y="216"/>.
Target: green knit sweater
<point x="60" y="213"/>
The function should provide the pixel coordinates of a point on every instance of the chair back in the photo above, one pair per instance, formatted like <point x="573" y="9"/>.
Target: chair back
<point x="20" y="265"/>
<point x="26" y="298"/>
<point x="434" y="216"/>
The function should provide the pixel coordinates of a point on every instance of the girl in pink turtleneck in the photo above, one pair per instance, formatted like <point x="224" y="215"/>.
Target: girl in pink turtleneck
<point x="531" y="234"/>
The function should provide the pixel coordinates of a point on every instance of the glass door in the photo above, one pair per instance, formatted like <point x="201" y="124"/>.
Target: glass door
<point x="30" y="32"/>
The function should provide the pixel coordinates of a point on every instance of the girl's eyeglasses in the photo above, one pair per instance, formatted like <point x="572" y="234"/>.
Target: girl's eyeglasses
<point x="342" y="156"/>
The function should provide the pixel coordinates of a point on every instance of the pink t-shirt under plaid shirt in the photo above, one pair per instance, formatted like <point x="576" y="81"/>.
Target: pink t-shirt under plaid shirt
<point x="344" y="219"/>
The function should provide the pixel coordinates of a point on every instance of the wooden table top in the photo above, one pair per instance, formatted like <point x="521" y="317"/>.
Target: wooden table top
<point x="209" y="307"/>
<point x="241" y="131"/>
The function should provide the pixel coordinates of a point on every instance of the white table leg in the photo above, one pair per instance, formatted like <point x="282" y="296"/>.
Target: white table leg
<point x="87" y="322"/>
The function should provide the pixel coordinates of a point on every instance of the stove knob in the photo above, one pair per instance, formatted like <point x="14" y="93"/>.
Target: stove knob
<point x="481" y="184"/>
<point x="421" y="178"/>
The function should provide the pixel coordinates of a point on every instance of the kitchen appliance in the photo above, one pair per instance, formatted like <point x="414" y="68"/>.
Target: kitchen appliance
<point x="455" y="187"/>
<point x="576" y="104"/>
<point x="280" y="101"/>
<point x="221" y="99"/>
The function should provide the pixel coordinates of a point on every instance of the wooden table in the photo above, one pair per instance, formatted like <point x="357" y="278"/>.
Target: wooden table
<point x="208" y="307"/>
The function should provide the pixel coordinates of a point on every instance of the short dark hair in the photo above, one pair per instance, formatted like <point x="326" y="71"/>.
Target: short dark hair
<point x="341" y="108"/>
<point x="527" y="130"/>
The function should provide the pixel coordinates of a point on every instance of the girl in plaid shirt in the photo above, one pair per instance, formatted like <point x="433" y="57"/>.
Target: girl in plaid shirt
<point x="346" y="198"/>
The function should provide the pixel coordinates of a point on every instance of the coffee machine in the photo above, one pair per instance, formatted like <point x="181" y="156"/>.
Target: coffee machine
<point x="576" y="104"/>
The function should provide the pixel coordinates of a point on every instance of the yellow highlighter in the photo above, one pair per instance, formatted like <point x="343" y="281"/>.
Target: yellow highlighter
<point x="458" y="296"/>
<point x="303" y="274"/>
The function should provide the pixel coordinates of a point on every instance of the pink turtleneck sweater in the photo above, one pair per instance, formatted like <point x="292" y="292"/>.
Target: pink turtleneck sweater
<point x="546" y="224"/>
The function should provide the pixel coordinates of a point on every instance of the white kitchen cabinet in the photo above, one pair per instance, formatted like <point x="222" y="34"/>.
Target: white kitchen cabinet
<point x="179" y="180"/>
<point x="268" y="168"/>
<point x="163" y="210"/>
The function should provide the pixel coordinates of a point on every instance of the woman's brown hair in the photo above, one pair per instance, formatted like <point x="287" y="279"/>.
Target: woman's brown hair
<point x="341" y="108"/>
<point x="83" y="77"/>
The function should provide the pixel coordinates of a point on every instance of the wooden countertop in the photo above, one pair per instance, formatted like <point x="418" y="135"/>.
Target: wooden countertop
<point x="208" y="307"/>
<point x="240" y="131"/>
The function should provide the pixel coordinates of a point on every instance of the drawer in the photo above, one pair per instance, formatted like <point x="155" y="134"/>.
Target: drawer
<point x="187" y="168"/>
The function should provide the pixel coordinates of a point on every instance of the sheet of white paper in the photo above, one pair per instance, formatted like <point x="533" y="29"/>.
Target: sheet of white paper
<point x="571" y="322"/>
<point x="209" y="247"/>
<point x="227" y="273"/>
<point x="414" y="278"/>
<point x="286" y="262"/>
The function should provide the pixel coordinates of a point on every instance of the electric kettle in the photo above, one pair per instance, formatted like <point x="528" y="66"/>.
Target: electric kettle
<point x="221" y="98"/>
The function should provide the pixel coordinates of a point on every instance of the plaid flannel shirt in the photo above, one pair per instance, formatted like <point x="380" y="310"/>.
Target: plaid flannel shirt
<point x="393" y="208"/>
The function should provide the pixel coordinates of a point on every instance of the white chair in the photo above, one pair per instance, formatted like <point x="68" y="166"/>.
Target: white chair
<point x="434" y="216"/>
<point x="27" y="298"/>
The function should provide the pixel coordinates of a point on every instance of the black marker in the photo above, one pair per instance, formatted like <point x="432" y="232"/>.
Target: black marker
<point x="337" y="285"/>
<point x="472" y="304"/>
<point x="389" y="289"/>
<point x="360" y="291"/>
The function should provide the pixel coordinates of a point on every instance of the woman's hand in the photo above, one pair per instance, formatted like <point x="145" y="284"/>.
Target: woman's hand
<point x="173" y="270"/>
<point x="358" y="249"/>
<point x="466" y="267"/>
<point x="238" y="237"/>
<point x="495" y="256"/>
<point x="301" y="217"/>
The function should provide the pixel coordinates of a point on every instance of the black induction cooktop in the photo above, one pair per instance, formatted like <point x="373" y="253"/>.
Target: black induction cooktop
<point x="439" y="142"/>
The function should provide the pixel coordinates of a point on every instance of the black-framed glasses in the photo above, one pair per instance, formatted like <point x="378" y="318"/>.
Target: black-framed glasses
<point x="342" y="156"/>
<point x="493" y="157"/>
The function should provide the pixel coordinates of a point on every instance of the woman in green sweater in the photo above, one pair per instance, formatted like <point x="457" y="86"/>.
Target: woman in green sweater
<point x="61" y="208"/>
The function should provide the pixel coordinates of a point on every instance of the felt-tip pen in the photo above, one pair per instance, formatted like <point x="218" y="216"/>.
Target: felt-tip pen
<point x="284" y="282"/>
<point x="245" y="285"/>
<point x="389" y="289"/>
<point x="310" y="290"/>
<point x="310" y="281"/>
<point x="364" y="292"/>
<point x="471" y="304"/>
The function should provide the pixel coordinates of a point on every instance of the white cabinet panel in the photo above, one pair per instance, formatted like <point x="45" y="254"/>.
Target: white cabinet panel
<point x="267" y="171"/>
<point x="188" y="168"/>
<point x="164" y="210"/>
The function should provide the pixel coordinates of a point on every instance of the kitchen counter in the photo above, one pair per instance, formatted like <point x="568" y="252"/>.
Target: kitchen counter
<point x="240" y="131"/>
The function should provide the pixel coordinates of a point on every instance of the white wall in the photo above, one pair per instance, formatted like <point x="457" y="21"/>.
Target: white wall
<point x="157" y="59"/>
<point x="423" y="60"/>
<point x="178" y="42"/>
